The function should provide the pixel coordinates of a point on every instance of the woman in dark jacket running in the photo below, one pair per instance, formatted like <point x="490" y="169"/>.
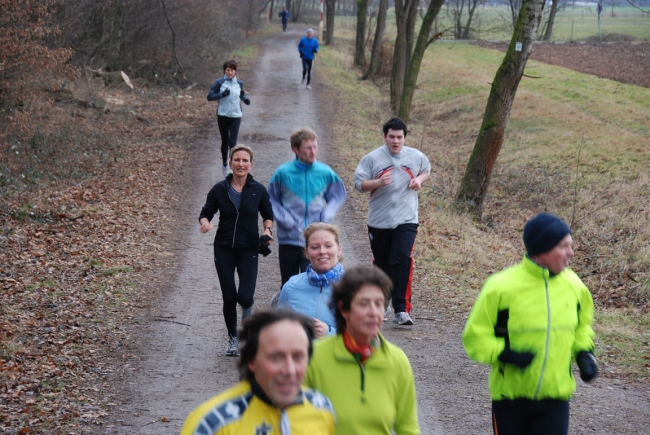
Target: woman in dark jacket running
<point x="229" y="90"/>
<point x="238" y="199"/>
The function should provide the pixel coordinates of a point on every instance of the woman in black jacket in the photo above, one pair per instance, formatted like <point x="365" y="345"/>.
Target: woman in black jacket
<point x="238" y="199"/>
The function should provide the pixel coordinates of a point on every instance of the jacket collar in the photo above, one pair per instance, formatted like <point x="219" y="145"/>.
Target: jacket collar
<point x="380" y="359"/>
<point x="257" y="390"/>
<point x="302" y="165"/>
<point x="538" y="270"/>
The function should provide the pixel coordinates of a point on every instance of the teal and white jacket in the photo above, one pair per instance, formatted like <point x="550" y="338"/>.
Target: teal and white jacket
<point x="302" y="194"/>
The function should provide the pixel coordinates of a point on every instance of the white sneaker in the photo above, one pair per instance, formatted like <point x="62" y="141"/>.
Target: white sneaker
<point x="308" y="86"/>
<point x="402" y="319"/>
<point x="387" y="312"/>
<point x="233" y="346"/>
<point x="225" y="171"/>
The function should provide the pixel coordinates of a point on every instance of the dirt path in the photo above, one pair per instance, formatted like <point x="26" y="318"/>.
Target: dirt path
<point x="182" y="360"/>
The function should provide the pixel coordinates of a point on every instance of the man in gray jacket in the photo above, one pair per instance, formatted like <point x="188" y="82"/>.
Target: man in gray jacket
<point x="393" y="174"/>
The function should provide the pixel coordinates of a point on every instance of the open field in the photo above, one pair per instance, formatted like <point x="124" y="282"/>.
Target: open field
<point x="576" y="145"/>
<point x="578" y="24"/>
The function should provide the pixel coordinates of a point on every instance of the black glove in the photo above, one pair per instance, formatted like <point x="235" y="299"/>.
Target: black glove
<point x="264" y="245"/>
<point x="246" y="101"/>
<point x="225" y="93"/>
<point x="519" y="359"/>
<point x="587" y="365"/>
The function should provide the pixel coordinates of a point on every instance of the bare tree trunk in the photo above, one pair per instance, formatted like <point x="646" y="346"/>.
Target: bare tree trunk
<point x="424" y="39"/>
<point x="375" y="56"/>
<point x="330" y="14"/>
<point x="294" y="12"/>
<point x="473" y="189"/>
<point x="468" y="23"/>
<point x="551" y="20"/>
<point x="410" y="31"/>
<point x="402" y="12"/>
<point x="360" y="43"/>
<point x="180" y="67"/>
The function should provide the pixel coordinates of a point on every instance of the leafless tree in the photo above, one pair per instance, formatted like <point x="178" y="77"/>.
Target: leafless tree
<point x="375" y="56"/>
<point x="360" y="42"/>
<point x="473" y="189"/>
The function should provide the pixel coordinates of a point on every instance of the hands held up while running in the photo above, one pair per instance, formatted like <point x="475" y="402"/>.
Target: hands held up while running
<point x="225" y="93"/>
<point x="320" y="328"/>
<point x="206" y="225"/>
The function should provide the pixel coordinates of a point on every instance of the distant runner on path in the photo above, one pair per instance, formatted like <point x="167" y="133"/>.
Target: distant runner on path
<point x="270" y="399"/>
<point x="527" y="322"/>
<point x="284" y="15"/>
<point x="302" y="191"/>
<point x="228" y="90"/>
<point x="238" y="199"/>
<point x="308" y="47"/>
<point x="393" y="174"/>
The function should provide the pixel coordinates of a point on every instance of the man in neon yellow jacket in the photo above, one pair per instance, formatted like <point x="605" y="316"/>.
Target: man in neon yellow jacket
<point x="527" y="323"/>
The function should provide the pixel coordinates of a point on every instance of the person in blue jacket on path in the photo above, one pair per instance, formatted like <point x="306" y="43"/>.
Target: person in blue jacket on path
<point x="228" y="90"/>
<point x="284" y="14"/>
<point x="308" y="47"/>
<point x="310" y="292"/>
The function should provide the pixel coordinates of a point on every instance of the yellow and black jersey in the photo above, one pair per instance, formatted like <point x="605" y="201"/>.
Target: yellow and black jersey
<point x="240" y="411"/>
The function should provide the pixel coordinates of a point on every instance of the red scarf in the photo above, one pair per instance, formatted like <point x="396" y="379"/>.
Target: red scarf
<point x="361" y="352"/>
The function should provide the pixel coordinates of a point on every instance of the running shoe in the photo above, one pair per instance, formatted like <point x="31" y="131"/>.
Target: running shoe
<point x="308" y="86"/>
<point x="233" y="346"/>
<point x="387" y="312"/>
<point x="225" y="171"/>
<point x="402" y="319"/>
<point x="275" y="299"/>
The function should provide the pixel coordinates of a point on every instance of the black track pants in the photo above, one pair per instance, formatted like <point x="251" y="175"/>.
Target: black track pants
<point x="292" y="261"/>
<point x="229" y="131"/>
<point x="393" y="252"/>
<point x="306" y="69"/>
<point x="246" y="263"/>
<point x="530" y="417"/>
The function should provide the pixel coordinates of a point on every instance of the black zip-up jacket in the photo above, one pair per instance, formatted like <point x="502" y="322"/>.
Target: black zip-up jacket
<point x="238" y="229"/>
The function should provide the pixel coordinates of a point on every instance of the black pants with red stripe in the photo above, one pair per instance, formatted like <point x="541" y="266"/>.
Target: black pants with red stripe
<point x="393" y="252"/>
<point x="530" y="417"/>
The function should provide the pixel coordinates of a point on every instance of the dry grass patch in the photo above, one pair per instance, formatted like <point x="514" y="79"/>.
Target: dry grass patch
<point x="576" y="145"/>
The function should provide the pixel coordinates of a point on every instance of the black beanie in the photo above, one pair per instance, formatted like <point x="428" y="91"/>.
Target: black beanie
<point x="543" y="232"/>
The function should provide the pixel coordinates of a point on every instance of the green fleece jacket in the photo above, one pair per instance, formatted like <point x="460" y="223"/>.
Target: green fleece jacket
<point x="368" y="401"/>
<point x="550" y="316"/>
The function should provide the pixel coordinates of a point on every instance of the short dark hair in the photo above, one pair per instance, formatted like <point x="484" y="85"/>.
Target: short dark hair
<point x="395" y="124"/>
<point x="230" y="64"/>
<point x="249" y="335"/>
<point x="349" y="286"/>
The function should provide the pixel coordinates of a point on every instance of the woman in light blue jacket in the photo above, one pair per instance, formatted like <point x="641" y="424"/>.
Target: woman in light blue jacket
<point x="229" y="90"/>
<point x="310" y="292"/>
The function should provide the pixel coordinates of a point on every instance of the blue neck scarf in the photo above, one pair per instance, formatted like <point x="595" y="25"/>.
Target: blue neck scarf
<point x="333" y="275"/>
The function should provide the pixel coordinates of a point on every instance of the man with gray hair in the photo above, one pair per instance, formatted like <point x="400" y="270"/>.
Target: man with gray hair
<point x="308" y="47"/>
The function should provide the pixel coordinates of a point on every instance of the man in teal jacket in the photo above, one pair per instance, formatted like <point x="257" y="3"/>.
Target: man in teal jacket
<point x="527" y="323"/>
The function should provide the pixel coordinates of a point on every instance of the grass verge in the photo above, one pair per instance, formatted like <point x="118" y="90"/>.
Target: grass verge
<point x="576" y="145"/>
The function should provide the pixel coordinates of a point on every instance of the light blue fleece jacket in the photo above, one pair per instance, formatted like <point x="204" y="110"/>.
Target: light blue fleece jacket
<point x="300" y="296"/>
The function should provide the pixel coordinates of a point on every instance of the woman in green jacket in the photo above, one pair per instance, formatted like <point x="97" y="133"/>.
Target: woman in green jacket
<point x="368" y="380"/>
<point x="527" y="323"/>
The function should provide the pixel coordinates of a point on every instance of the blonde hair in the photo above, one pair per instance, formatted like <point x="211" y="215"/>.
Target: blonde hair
<point x="322" y="226"/>
<point x="241" y="147"/>
<point x="300" y="134"/>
